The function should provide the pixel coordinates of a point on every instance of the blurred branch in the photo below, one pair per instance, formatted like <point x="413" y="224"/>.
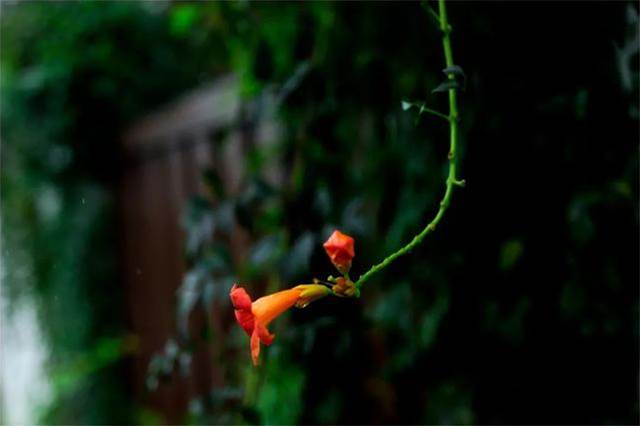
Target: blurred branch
<point x="430" y="11"/>
<point x="293" y="82"/>
<point x="452" y="180"/>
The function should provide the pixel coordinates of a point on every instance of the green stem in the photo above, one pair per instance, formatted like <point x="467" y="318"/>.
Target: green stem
<point x="453" y="142"/>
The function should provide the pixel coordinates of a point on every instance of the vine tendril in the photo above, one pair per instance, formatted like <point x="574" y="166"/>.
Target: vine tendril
<point x="452" y="181"/>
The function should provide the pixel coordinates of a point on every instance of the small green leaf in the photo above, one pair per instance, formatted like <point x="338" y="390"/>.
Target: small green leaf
<point x="407" y="105"/>
<point x="446" y="86"/>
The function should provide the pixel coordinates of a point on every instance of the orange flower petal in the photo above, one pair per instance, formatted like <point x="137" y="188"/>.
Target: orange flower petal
<point x="266" y="308"/>
<point x="246" y="320"/>
<point x="255" y="347"/>
<point x="264" y="335"/>
<point x="239" y="297"/>
<point x="242" y="305"/>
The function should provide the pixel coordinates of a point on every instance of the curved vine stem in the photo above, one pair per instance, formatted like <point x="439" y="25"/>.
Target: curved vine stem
<point x="452" y="180"/>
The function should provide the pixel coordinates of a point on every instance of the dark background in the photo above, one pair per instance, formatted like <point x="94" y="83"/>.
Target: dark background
<point x="521" y="308"/>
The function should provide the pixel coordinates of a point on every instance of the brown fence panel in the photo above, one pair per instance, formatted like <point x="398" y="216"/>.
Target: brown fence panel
<point x="165" y="155"/>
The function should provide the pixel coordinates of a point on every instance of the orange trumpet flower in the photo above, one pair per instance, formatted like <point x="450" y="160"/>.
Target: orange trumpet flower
<point x="255" y="316"/>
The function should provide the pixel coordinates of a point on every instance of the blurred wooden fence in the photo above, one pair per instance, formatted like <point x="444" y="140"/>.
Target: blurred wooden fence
<point x="165" y="154"/>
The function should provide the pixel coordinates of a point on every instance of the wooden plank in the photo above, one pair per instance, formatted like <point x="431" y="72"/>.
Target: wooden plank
<point x="212" y="106"/>
<point x="166" y="153"/>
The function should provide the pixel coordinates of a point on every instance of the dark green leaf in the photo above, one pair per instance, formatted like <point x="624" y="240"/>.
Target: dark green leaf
<point x="454" y="70"/>
<point x="446" y="86"/>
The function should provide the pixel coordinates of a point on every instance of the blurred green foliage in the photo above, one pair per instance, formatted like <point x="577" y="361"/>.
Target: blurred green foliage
<point x="72" y="76"/>
<point x="521" y="308"/>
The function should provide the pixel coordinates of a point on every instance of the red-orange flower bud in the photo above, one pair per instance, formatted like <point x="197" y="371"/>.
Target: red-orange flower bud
<point x="340" y="249"/>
